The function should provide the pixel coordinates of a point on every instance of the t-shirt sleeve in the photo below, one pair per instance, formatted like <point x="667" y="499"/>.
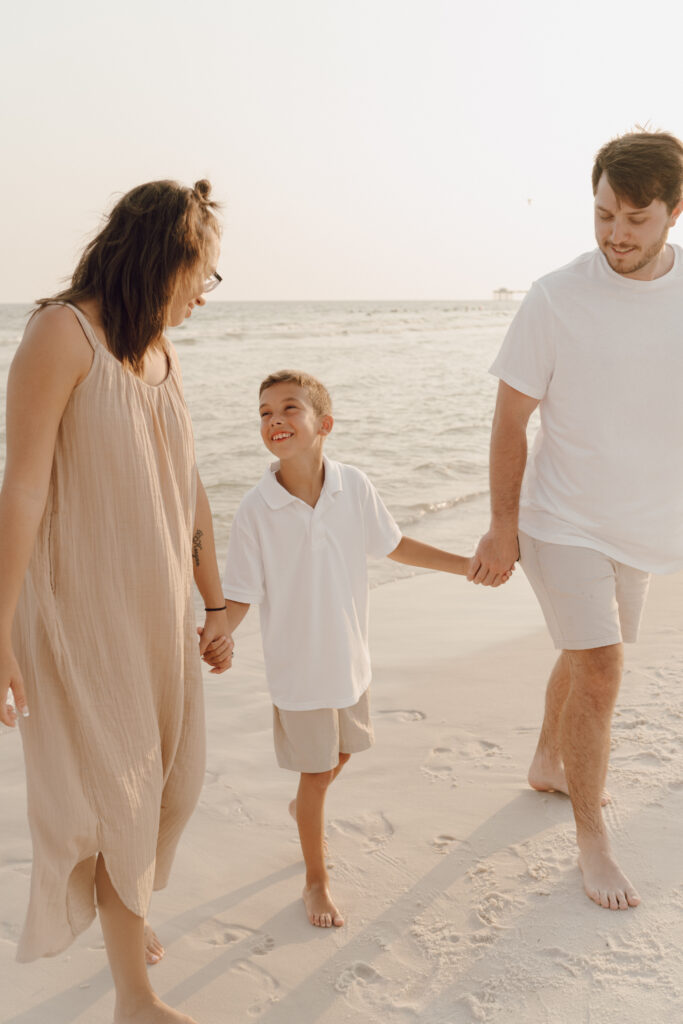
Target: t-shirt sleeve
<point x="382" y="534"/>
<point x="526" y="360"/>
<point x="243" y="579"/>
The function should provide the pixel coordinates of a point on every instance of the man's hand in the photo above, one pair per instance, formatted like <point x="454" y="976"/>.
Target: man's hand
<point x="495" y="557"/>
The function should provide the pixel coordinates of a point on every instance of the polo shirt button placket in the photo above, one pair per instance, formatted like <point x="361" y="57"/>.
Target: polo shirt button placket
<point x="317" y="529"/>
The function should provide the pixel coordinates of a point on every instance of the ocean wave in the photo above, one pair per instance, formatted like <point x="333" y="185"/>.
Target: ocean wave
<point x="418" y="512"/>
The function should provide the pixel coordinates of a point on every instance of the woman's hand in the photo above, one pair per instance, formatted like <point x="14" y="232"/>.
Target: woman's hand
<point x="11" y="681"/>
<point x="216" y="645"/>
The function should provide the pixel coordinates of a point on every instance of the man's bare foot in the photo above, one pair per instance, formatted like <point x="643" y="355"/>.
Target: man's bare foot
<point x="154" y="951"/>
<point x="151" y="1011"/>
<point x="604" y="881"/>
<point x="319" y="906"/>
<point x="549" y="777"/>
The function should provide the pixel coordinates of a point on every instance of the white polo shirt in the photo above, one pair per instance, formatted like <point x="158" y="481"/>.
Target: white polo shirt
<point x="307" y="570"/>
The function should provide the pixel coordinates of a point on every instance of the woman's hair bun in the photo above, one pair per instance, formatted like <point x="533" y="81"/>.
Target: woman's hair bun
<point x="202" y="189"/>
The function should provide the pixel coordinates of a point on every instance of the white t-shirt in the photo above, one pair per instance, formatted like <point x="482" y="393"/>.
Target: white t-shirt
<point x="604" y="354"/>
<point x="307" y="569"/>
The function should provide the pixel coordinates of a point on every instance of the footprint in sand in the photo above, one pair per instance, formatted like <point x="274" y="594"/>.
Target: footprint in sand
<point x="371" y="995"/>
<point x="439" y="765"/>
<point x="479" y="751"/>
<point x="221" y="933"/>
<point x="374" y="829"/>
<point x="219" y="798"/>
<point x="267" y="988"/>
<point x="400" y="715"/>
<point x="446" y="843"/>
<point x="358" y="973"/>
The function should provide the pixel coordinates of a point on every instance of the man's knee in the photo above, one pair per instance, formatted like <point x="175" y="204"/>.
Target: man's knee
<point x="596" y="673"/>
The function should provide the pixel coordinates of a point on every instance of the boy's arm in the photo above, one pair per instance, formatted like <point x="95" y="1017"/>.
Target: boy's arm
<point x="236" y="610"/>
<point x="414" y="552"/>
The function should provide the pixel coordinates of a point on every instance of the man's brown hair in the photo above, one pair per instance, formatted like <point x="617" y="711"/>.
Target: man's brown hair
<point x="318" y="394"/>
<point x="641" y="167"/>
<point x="155" y="234"/>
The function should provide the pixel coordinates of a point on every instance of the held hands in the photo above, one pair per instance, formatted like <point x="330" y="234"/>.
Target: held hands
<point x="494" y="560"/>
<point x="10" y="680"/>
<point x="216" y="645"/>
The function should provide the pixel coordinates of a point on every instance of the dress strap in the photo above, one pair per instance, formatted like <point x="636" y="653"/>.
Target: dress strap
<point x="94" y="341"/>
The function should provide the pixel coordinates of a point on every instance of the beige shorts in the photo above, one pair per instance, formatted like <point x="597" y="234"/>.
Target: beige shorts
<point x="311" y="741"/>
<point x="588" y="599"/>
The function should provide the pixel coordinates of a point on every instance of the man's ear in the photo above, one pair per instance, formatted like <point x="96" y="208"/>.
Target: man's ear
<point x="326" y="424"/>
<point x="675" y="213"/>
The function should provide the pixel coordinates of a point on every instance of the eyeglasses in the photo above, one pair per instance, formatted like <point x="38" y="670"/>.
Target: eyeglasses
<point x="211" y="282"/>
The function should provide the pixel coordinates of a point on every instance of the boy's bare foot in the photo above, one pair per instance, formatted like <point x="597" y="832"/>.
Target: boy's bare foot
<point x="154" y="951"/>
<point x="549" y="777"/>
<point x="319" y="906"/>
<point x="604" y="881"/>
<point x="151" y="1011"/>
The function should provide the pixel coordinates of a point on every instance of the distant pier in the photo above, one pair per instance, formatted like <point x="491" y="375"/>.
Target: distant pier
<point x="508" y="293"/>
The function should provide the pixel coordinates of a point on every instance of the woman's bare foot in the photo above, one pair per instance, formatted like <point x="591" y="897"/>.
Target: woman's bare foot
<point x="604" y="881"/>
<point x="549" y="777"/>
<point x="319" y="906"/>
<point x="154" y="951"/>
<point x="151" y="1011"/>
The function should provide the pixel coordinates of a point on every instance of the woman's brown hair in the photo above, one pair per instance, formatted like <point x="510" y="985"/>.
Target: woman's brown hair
<point x="156" y="233"/>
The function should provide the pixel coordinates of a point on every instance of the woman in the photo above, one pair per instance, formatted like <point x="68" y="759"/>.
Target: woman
<point x="103" y="520"/>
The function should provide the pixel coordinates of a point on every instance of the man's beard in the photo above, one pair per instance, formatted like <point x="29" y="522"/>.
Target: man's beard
<point x="636" y="260"/>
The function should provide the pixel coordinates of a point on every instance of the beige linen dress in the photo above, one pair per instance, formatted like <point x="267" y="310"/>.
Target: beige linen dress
<point x="105" y="637"/>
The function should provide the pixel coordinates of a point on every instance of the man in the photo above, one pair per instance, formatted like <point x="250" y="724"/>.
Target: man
<point x="598" y="346"/>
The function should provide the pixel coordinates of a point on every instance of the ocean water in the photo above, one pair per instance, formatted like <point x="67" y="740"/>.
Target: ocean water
<point x="412" y="401"/>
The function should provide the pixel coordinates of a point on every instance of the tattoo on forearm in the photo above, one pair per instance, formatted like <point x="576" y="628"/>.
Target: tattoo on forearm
<point x="196" y="546"/>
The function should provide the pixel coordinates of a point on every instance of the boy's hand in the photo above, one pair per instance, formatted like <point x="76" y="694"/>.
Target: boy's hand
<point x="217" y="652"/>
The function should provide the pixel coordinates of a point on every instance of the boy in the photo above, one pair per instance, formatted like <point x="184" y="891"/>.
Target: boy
<point x="298" y="548"/>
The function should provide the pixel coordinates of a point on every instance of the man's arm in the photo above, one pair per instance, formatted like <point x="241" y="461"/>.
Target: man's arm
<point x="498" y="550"/>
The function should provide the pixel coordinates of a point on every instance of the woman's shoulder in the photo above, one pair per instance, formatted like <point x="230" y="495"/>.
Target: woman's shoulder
<point x="54" y="337"/>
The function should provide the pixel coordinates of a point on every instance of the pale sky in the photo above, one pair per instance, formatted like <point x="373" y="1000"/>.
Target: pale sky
<point x="364" y="149"/>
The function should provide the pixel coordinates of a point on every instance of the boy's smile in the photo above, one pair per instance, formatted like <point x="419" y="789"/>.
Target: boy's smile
<point x="290" y="425"/>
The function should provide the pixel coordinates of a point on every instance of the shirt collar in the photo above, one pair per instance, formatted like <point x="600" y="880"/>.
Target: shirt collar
<point x="277" y="496"/>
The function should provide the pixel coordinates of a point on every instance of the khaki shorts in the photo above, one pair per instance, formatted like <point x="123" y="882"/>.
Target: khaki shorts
<point x="588" y="599"/>
<point x="311" y="741"/>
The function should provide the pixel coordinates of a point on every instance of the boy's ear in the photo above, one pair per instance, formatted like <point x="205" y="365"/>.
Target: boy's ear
<point x="326" y="424"/>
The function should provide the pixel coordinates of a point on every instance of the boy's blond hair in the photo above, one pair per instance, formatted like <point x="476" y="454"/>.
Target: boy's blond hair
<point x="317" y="393"/>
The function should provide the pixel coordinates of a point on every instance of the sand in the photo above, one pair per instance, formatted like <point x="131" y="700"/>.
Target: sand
<point x="459" y="884"/>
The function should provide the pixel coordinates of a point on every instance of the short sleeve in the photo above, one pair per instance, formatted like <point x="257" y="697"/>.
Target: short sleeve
<point x="382" y="534"/>
<point x="526" y="360"/>
<point x="243" y="579"/>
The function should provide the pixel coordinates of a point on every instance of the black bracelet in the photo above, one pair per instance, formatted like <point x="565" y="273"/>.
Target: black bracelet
<point x="216" y="609"/>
